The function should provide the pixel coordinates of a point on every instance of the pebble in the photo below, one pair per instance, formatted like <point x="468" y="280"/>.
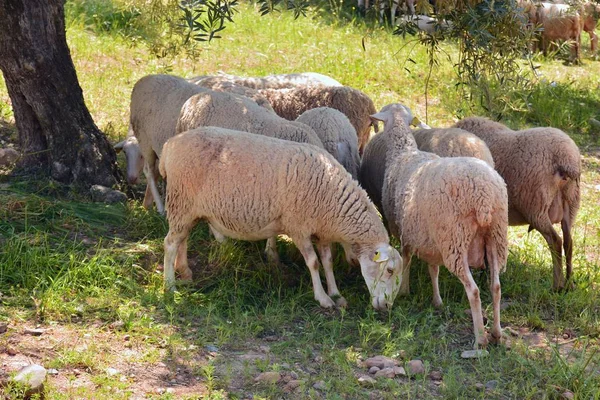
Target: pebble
<point x="320" y="385"/>
<point x="374" y="370"/>
<point x="52" y="371"/>
<point x="568" y="395"/>
<point x="116" y="325"/>
<point x="268" y="377"/>
<point x="474" y="353"/>
<point x="212" y="348"/>
<point x="386" y="372"/>
<point x="479" y="386"/>
<point x="33" y="332"/>
<point x="294" y="375"/>
<point x="3" y="328"/>
<point x="11" y="351"/>
<point x="435" y="375"/>
<point x="400" y="371"/>
<point x="170" y="390"/>
<point x="126" y="337"/>
<point x="112" y="371"/>
<point x="415" y="367"/>
<point x="293" y="385"/>
<point x="311" y="370"/>
<point x="103" y="194"/>
<point x="32" y="376"/>
<point x="8" y="156"/>
<point x="381" y="362"/>
<point x="366" y="381"/>
<point x="491" y="385"/>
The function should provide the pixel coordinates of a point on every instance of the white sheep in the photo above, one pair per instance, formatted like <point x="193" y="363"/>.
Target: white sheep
<point x="337" y="135"/>
<point x="223" y="84"/>
<point x="452" y="142"/>
<point x="356" y="105"/>
<point x="542" y="170"/>
<point x="450" y="211"/>
<point x="253" y="187"/>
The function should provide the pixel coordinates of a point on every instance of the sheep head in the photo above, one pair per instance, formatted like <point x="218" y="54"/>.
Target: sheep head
<point x="381" y="266"/>
<point x="133" y="156"/>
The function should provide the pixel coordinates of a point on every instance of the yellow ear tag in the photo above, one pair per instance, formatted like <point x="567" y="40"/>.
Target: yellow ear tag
<point x="415" y="121"/>
<point x="377" y="256"/>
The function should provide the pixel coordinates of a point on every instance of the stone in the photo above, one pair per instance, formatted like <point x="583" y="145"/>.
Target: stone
<point x="293" y="385"/>
<point x="320" y="385"/>
<point x="474" y="353"/>
<point x="385" y="372"/>
<point x="8" y="156"/>
<point x="374" y="370"/>
<point x="269" y="377"/>
<point x="435" y="375"/>
<point x="11" y="351"/>
<point x="568" y="395"/>
<point x="3" y="328"/>
<point x="491" y="385"/>
<point x="479" y="386"/>
<point x="32" y="376"/>
<point x="34" y="332"/>
<point x="399" y="371"/>
<point x="52" y="371"/>
<point x="415" y="367"/>
<point x="103" y="194"/>
<point x="366" y="381"/>
<point x="170" y="390"/>
<point x="211" y="348"/>
<point x="112" y="371"/>
<point x="294" y="375"/>
<point x="381" y="362"/>
<point x="116" y="325"/>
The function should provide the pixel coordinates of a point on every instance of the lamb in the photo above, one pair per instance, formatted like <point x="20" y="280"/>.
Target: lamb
<point x="281" y="81"/>
<point x="356" y="105"/>
<point x="542" y="170"/>
<point x="452" y="142"/>
<point x="337" y="135"/>
<point x="450" y="211"/>
<point x="253" y="187"/>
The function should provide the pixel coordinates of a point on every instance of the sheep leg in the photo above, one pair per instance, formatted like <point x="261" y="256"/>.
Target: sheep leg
<point x="593" y="41"/>
<point x="174" y="241"/>
<point x="568" y="246"/>
<point x="405" y="283"/>
<point x="150" y="172"/>
<point x="332" y="290"/>
<point x="271" y="250"/>
<point x="181" y="262"/>
<point x="219" y="237"/>
<point x="461" y="268"/>
<point x="310" y="258"/>
<point x="148" y="199"/>
<point x="434" y="271"/>
<point x="495" y="289"/>
<point x="555" y="243"/>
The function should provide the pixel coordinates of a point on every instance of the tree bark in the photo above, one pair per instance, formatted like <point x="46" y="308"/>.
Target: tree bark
<point x="56" y="131"/>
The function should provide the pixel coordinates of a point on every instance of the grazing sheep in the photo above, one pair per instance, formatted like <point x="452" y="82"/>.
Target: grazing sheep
<point x="253" y="187"/>
<point x="222" y="84"/>
<point x="560" y="23"/>
<point x="337" y="135"/>
<point x="542" y="170"/>
<point x="357" y="106"/>
<point x="452" y="142"/>
<point x="281" y="81"/>
<point x="590" y="20"/>
<point x="450" y="211"/>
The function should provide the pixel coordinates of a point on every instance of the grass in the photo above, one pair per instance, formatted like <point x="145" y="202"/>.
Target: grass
<point x="90" y="273"/>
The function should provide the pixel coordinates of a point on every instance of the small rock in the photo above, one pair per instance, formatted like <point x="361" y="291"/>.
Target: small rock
<point x="374" y="370"/>
<point x="381" y="362"/>
<point x="8" y="156"/>
<point x="268" y="377"/>
<point x="112" y="371"/>
<point x="116" y="325"/>
<point x="170" y="390"/>
<point x="366" y="381"/>
<point x="102" y="194"/>
<point x="76" y="372"/>
<point x="320" y="385"/>
<point x="52" y="371"/>
<point x="319" y="360"/>
<point x="32" y="376"/>
<point x="11" y="351"/>
<point x="294" y="375"/>
<point x="415" y="367"/>
<point x="435" y="375"/>
<point x="160" y="390"/>
<point x="311" y="370"/>
<point x="474" y="353"/>
<point x="87" y="335"/>
<point x="3" y="328"/>
<point x="33" y="332"/>
<point x="399" y="371"/>
<point x="568" y="395"/>
<point x="264" y="349"/>
<point x="479" y="386"/>
<point x="293" y="385"/>
<point x="386" y="372"/>
<point x="491" y="385"/>
<point x="212" y="348"/>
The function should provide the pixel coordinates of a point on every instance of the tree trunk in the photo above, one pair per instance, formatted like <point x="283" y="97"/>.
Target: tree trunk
<point x="56" y="131"/>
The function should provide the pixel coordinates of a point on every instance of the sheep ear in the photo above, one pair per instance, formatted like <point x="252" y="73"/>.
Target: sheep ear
<point x="380" y="116"/>
<point x="119" y="146"/>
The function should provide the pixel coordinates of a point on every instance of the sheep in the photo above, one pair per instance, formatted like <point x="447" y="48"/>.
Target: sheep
<point x="450" y="211"/>
<point x="281" y="81"/>
<point x="356" y="105"/>
<point x="222" y="84"/>
<point x="542" y="170"/>
<point x="590" y="20"/>
<point x="452" y="142"/>
<point x="559" y="23"/>
<point x="426" y="23"/>
<point x="253" y="187"/>
<point x="337" y="135"/>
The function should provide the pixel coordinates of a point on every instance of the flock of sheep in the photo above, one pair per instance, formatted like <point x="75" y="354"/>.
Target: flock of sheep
<point x="290" y="154"/>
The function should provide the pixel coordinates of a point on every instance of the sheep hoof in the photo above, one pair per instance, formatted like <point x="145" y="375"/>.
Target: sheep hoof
<point x="481" y="342"/>
<point x="340" y="301"/>
<point x="186" y="275"/>
<point x="326" y="302"/>
<point x="438" y="303"/>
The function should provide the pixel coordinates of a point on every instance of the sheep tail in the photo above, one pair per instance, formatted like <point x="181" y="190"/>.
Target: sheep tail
<point x="484" y="216"/>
